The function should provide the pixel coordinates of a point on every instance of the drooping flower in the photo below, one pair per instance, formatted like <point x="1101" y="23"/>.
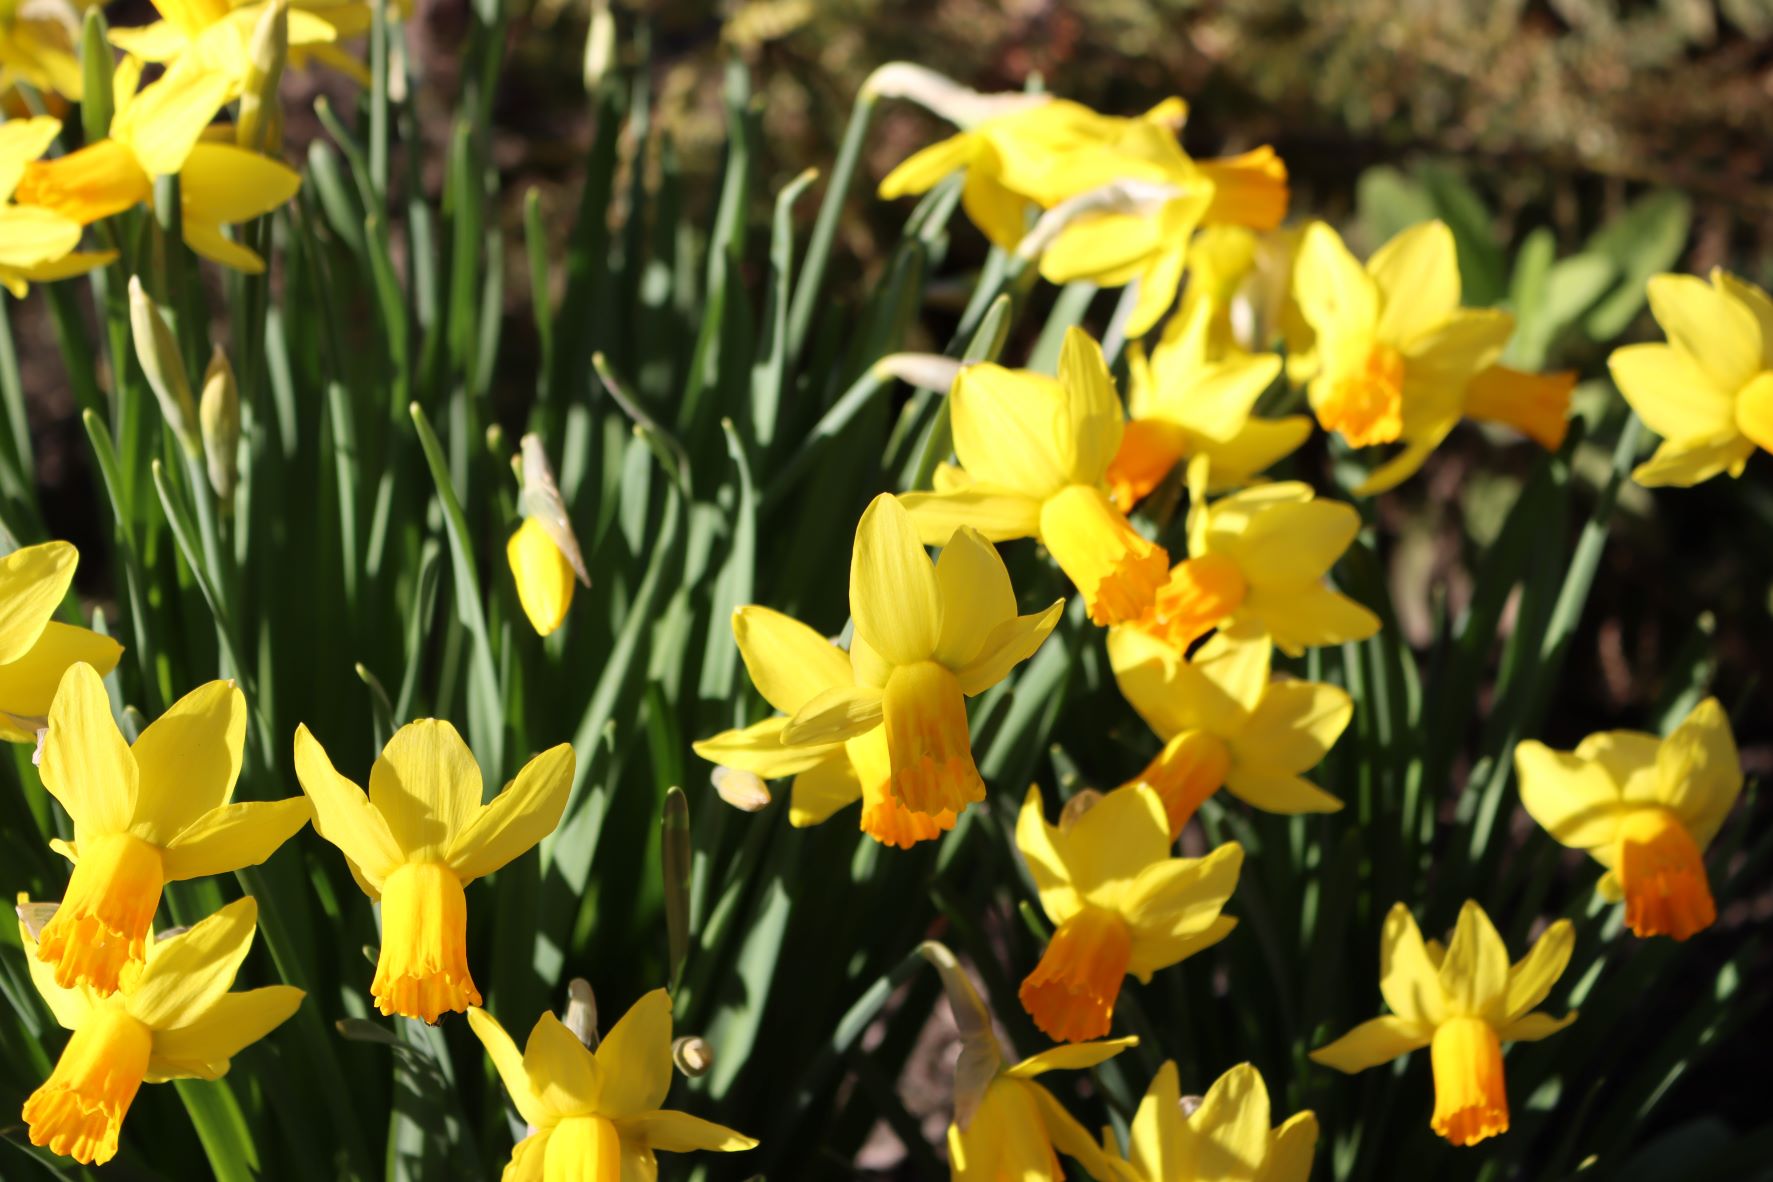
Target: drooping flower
<point x="1225" y="1139"/>
<point x="145" y="815"/>
<point x="1259" y="557"/>
<point x="1401" y="362"/>
<point x="595" y="1116"/>
<point x="172" y="1019"/>
<point x="1034" y="456"/>
<point x="1645" y="808"/>
<point x="927" y="637"/>
<point x="1463" y="1001"/>
<point x="418" y="838"/>
<point x="1122" y="904"/>
<point x="36" y="245"/>
<point x="544" y="553"/>
<point x="36" y="650"/>
<point x="1226" y="724"/>
<point x="1708" y="391"/>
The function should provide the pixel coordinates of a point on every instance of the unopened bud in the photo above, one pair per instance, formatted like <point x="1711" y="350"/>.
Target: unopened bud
<point x="937" y="93"/>
<point x="1077" y="806"/>
<point x="219" y="410"/>
<point x="745" y="791"/>
<point x="158" y="351"/>
<point x="926" y="371"/>
<point x="258" y="128"/>
<point x="600" y="45"/>
<point x="693" y="1056"/>
<point x="581" y="1011"/>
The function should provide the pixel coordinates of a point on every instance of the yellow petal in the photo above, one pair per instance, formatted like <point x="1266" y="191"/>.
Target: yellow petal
<point x="28" y="685"/>
<point x="30" y="235"/>
<point x="201" y="1049"/>
<point x="1715" y="331"/>
<point x="999" y="516"/>
<point x="1158" y="284"/>
<point x="1291" y="1150"/>
<point x="1041" y="850"/>
<point x="1005" y="429"/>
<point x="22" y="141"/>
<point x="567" y="1078"/>
<point x="1684" y="464"/>
<point x="1571" y="798"/>
<point x="1169" y="692"/>
<point x="679" y="1132"/>
<point x="1249" y="189"/>
<point x="1671" y="393"/>
<point x="1304" y="616"/>
<point x="343" y="815"/>
<point x="192" y="17"/>
<point x="1533" y="1027"/>
<point x="893" y="595"/>
<point x="1754" y="411"/>
<point x="759" y="749"/>
<point x="207" y="239"/>
<point x="1474" y="976"/>
<point x="1408" y="976"/>
<point x="233" y="836"/>
<point x="427" y="787"/>
<point x="975" y="593"/>
<point x="634" y="1058"/>
<point x="1698" y="772"/>
<point x="1160" y="1143"/>
<point x="838" y="714"/>
<point x="1756" y="301"/>
<point x="1174" y="907"/>
<point x="999" y="211"/>
<point x="822" y="789"/>
<point x="1441" y="360"/>
<point x="1008" y="645"/>
<point x="1407" y="462"/>
<point x="1090" y="431"/>
<point x="507" y="1060"/>
<point x="1531" y="978"/>
<point x="161" y="124"/>
<point x="189" y="759"/>
<point x="1338" y="298"/>
<point x="1069" y="1137"/>
<point x="789" y="663"/>
<point x="1373" y="1042"/>
<point x="1290" y="542"/>
<point x="33" y="582"/>
<point x="1418" y="277"/>
<point x="68" y="1005"/>
<point x="69" y="266"/>
<point x="1294" y="725"/>
<point x="1077" y="1056"/>
<point x="1215" y="402"/>
<point x="1105" y="248"/>
<point x="517" y="818"/>
<point x="1275" y="791"/>
<point x="160" y="41"/>
<point x="1105" y="851"/>
<point x="221" y="184"/>
<point x="190" y="972"/>
<point x="1233" y="1123"/>
<point x="923" y="170"/>
<point x="86" y="765"/>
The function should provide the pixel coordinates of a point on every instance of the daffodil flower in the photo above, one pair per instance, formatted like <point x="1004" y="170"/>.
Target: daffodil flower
<point x="1645" y="808"/>
<point x="1121" y="902"/>
<point x="214" y="37"/>
<point x="544" y="553"/>
<point x="1709" y="391"/>
<point x="1401" y="362"/>
<point x="1226" y="724"/>
<point x="36" y="650"/>
<point x="595" y="1115"/>
<point x="37" y="48"/>
<point x="1260" y="557"/>
<point x="1225" y="1139"/>
<point x="1462" y="1001"/>
<point x="145" y="815"/>
<point x="172" y="1019"/>
<point x="1034" y="455"/>
<point x="36" y="245"/>
<point x="418" y="838"/>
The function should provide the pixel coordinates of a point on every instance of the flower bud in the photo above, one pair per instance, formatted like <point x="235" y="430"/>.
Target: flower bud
<point x="925" y="371"/>
<point x="219" y="410"/>
<point x="581" y="1011"/>
<point x="745" y="791"/>
<point x="158" y="351"/>
<point x="258" y="128"/>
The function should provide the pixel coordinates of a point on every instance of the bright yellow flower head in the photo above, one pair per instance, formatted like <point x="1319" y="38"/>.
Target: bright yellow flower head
<point x="1034" y="456"/>
<point x="1259" y="558"/>
<point x="1121" y="902"/>
<point x="1226" y="1139"/>
<point x="419" y="837"/>
<point x="1645" y="808"/>
<point x="35" y="244"/>
<point x="215" y="36"/>
<point x="1225" y="723"/>
<point x="594" y="1115"/>
<point x="1463" y="1001"/>
<point x="1401" y="362"/>
<point x="144" y="816"/>
<point x="1709" y="391"/>
<point x="35" y="650"/>
<point x="172" y="1019"/>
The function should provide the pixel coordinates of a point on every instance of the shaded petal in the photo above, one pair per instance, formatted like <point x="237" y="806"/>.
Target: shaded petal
<point x="835" y="716"/>
<point x="975" y="593"/>
<point x="635" y="1058"/>
<point x="822" y="789"/>
<point x="1008" y="645"/>
<point x="893" y="595"/>
<point x="189" y="760"/>
<point x="1474" y="976"/>
<point x="1292" y="542"/>
<point x="31" y="235"/>
<point x="1109" y="847"/>
<point x="679" y="1132"/>
<point x="201" y="1049"/>
<point x="565" y="1077"/>
<point x="507" y="1060"/>
<point x="1682" y="464"/>
<point x="1531" y="978"/>
<point x="33" y="582"/>
<point x="427" y="787"/>
<point x="1233" y="1122"/>
<point x="759" y="749"/>
<point x="1372" y="1043"/>
<point x="28" y="685"/>
<point x="1698" y="772"/>
<point x="1533" y="1027"/>
<point x="1572" y="798"/>
<point x="1294" y="725"/>
<point x="1279" y="792"/>
<point x="1090" y="430"/>
<point x="1004" y="425"/>
<point x="922" y="170"/>
<point x="523" y="814"/>
<point x="1077" y="1056"/>
<point x="1041" y="850"/>
<point x="1409" y="978"/>
<point x="189" y="973"/>
<point x="1307" y="615"/>
<point x="1069" y="1137"/>
<point x="233" y="836"/>
<point x="1336" y="295"/>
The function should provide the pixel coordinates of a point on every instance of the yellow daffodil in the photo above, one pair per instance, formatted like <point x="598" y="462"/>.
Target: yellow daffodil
<point x="1226" y="724"/>
<point x="35" y="650"/>
<point x="36" y="245"/>
<point x="927" y="637"/>
<point x="594" y="1116"/>
<point x="544" y="553"/>
<point x="1259" y="557"/>
<point x="38" y="47"/>
<point x="172" y="1019"/>
<point x="419" y="837"/>
<point x="1241" y="282"/>
<point x="1182" y="404"/>
<point x="1709" y="391"/>
<point x="1225" y="1139"/>
<point x="1645" y="808"/>
<point x="215" y="36"/>
<point x="156" y="132"/>
<point x="145" y="815"/>
<point x="1121" y="902"/>
<point x="1463" y="1001"/>
<point x="1401" y="362"/>
<point x="1034" y="455"/>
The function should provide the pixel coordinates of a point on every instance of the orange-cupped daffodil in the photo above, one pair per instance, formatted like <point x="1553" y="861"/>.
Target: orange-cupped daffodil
<point x="1645" y="808"/>
<point x="1709" y="390"/>
<point x="1226" y="724"/>
<point x="1122" y="904"/>
<point x="1226" y="1138"/>
<point x="174" y="1018"/>
<point x="36" y="650"/>
<point x="1400" y="362"/>
<point x="1034" y="456"/>
<point x="418" y="838"/>
<point x="1462" y="1001"/>
<point x="35" y="244"/>
<point x="145" y="815"/>
<point x="595" y="1116"/>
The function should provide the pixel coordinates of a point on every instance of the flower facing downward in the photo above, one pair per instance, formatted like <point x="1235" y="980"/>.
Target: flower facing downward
<point x="144" y="816"/>
<point x="595" y="1116"/>
<point x="1225" y="1139"/>
<point x="35" y="649"/>
<point x="1121" y="902"/>
<point x="1645" y="808"/>
<point x="421" y="836"/>
<point x="174" y="1019"/>
<point x="1463" y="1001"/>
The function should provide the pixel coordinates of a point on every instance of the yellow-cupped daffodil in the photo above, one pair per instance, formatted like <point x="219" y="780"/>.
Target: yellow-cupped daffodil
<point x="1121" y="902"/>
<point x="1645" y="808"/>
<point x="174" y="1018"/>
<point x="1182" y="403"/>
<point x="927" y="637"/>
<point x="1462" y="1001"/>
<point x="1034" y="454"/>
<point x="1226" y="724"/>
<point x="1709" y="390"/>
<point x="1225" y="1139"/>
<point x="595" y="1116"/>
<point x="39" y="47"/>
<point x="1007" y="1125"/>
<point x="544" y="553"/>
<point x="145" y="815"/>
<point x="36" y="245"/>
<point x="1399" y="361"/>
<point x="36" y="650"/>
<point x="418" y="838"/>
<point x="216" y="36"/>
<point x="1259" y="557"/>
